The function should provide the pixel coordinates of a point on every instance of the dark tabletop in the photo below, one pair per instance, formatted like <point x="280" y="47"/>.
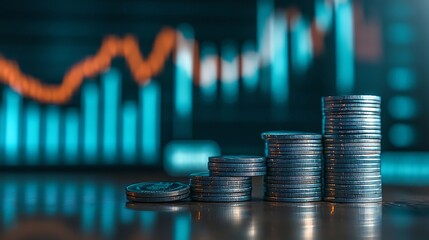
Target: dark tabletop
<point x="93" y="206"/>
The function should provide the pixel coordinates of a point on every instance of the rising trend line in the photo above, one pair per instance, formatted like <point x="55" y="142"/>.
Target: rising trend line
<point x="112" y="47"/>
<point x="141" y="69"/>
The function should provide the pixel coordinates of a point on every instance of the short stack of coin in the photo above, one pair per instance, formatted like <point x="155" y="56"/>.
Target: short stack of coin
<point x="207" y="188"/>
<point x="237" y="166"/>
<point x="352" y="148"/>
<point x="294" y="166"/>
<point x="157" y="192"/>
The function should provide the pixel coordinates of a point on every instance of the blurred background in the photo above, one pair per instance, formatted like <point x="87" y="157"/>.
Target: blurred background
<point x="214" y="75"/>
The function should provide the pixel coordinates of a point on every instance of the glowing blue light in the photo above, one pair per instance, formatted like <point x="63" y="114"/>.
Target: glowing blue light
<point x="71" y="140"/>
<point x="150" y="101"/>
<point x="30" y="197"/>
<point x="12" y="102"/>
<point x="148" y="219"/>
<point x="108" y="213"/>
<point x="182" y="227"/>
<point x="402" y="78"/>
<point x="111" y="96"/>
<point x="52" y="136"/>
<point x="400" y="33"/>
<point x="323" y="15"/>
<point x="302" y="47"/>
<point x="265" y="9"/>
<point x="344" y="46"/>
<point x="90" y="121"/>
<point x="69" y="201"/>
<point x="250" y="67"/>
<point x="32" y="133"/>
<point x="9" y="204"/>
<point x="402" y="135"/>
<point x="129" y="132"/>
<point x="183" y="98"/>
<point x="51" y="197"/>
<point x="208" y="73"/>
<point x="185" y="157"/>
<point x="403" y="107"/>
<point x="405" y="168"/>
<point x="279" y="63"/>
<point x="88" y="207"/>
<point x="229" y="76"/>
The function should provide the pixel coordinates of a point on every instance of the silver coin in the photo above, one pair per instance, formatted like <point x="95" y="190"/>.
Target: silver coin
<point x="293" y="148"/>
<point x="157" y="199"/>
<point x="156" y="189"/>
<point x="220" y="181"/>
<point x="284" y="178"/>
<point x="329" y="170"/>
<point x="352" y="118"/>
<point x="285" y="199"/>
<point x="295" y="157"/>
<point x="219" y="194"/>
<point x="236" y="165"/>
<point x="348" y="109"/>
<point x="357" y="200"/>
<point x="349" y="195"/>
<point x="327" y="140"/>
<point x="205" y="176"/>
<point x="281" y="190"/>
<point x="281" y="161"/>
<point x="237" y="174"/>
<point x="291" y="173"/>
<point x="330" y="165"/>
<point x="365" y="163"/>
<point x="295" y="169"/>
<point x="294" y="153"/>
<point x="293" y="182"/>
<point x="336" y="128"/>
<point x="221" y="199"/>
<point x="285" y="164"/>
<point x="351" y="182"/>
<point x="353" y="187"/>
<point x="290" y="135"/>
<point x="242" y="169"/>
<point x="354" y="190"/>
<point x="333" y="154"/>
<point x="329" y="105"/>
<point x="346" y="131"/>
<point x="339" y="137"/>
<point x="351" y="145"/>
<point x="237" y="186"/>
<point x="339" y="157"/>
<point x="352" y="97"/>
<point x="293" y="186"/>
<point x="219" y="190"/>
<point x="293" y="141"/>
<point x="294" y="145"/>
<point x="294" y="195"/>
<point x="237" y="159"/>
<point x="352" y="149"/>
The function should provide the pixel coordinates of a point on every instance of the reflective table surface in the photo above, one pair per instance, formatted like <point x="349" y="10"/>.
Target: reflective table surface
<point x="93" y="206"/>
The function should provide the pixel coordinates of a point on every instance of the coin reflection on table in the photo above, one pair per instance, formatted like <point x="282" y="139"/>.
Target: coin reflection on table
<point x="361" y="220"/>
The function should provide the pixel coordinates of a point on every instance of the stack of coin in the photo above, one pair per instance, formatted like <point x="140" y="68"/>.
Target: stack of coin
<point x="294" y="166"/>
<point x="157" y="192"/>
<point x="207" y="188"/>
<point x="237" y="166"/>
<point x="352" y="138"/>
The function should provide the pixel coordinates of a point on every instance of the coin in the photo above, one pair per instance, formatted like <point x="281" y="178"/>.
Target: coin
<point x="222" y="199"/>
<point x="156" y="189"/>
<point x="290" y="135"/>
<point x="236" y="159"/>
<point x="238" y="174"/>
<point x="157" y="199"/>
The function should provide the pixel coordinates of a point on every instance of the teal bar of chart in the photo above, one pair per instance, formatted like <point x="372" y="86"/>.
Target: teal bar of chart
<point x="150" y="102"/>
<point x="129" y="132"/>
<point x="32" y="131"/>
<point x="90" y="122"/>
<point x="52" y="136"/>
<point x="13" y="104"/>
<point x="111" y="89"/>
<point x="71" y="141"/>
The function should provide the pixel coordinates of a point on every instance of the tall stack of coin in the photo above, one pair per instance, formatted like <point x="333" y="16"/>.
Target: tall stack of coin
<point x="237" y="166"/>
<point x="207" y="188"/>
<point x="294" y="166"/>
<point x="352" y="138"/>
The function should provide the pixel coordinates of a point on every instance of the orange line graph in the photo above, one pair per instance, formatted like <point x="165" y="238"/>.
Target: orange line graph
<point x="142" y="69"/>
